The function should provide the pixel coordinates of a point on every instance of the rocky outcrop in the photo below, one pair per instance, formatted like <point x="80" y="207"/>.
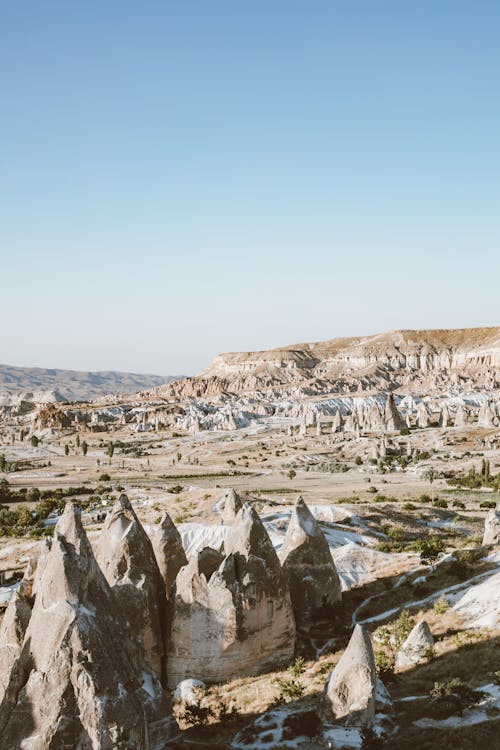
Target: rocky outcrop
<point x="422" y="416"/>
<point x="350" y="691"/>
<point x="444" y="417"/>
<point x="487" y="415"/>
<point x="232" y="502"/>
<point x="81" y="679"/>
<point x="416" y="646"/>
<point x="393" y="421"/>
<point x="460" y="416"/>
<point x="168" y="550"/>
<point x="128" y="562"/>
<point x="309" y="568"/>
<point x="243" y="610"/>
<point x="492" y="527"/>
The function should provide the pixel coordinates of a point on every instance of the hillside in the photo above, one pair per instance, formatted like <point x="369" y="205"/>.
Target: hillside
<point x="413" y="359"/>
<point x="73" y="385"/>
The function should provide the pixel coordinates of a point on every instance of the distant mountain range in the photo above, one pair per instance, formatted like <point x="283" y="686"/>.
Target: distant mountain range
<point x="76" y="385"/>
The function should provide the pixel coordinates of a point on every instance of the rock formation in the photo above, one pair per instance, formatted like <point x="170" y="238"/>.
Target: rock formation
<point x="487" y="415"/>
<point x="309" y="568"/>
<point x="350" y="691"/>
<point x="168" y="550"/>
<point x="492" y="527"/>
<point x="232" y="502"/>
<point x="416" y="646"/>
<point x="393" y="421"/>
<point x="127" y="559"/>
<point x="444" y="417"/>
<point x="243" y="610"/>
<point x="422" y="416"/>
<point x="460" y="416"/>
<point x="337" y="422"/>
<point x="81" y="679"/>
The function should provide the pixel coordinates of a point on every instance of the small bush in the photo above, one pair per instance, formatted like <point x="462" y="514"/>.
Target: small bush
<point x="441" y="605"/>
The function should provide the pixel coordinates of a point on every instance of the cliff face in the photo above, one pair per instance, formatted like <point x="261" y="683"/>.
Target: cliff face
<point x="384" y="361"/>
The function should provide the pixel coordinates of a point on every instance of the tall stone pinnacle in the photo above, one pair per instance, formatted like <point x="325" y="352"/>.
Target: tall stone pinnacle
<point x="167" y="546"/>
<point x="309" y="568"/>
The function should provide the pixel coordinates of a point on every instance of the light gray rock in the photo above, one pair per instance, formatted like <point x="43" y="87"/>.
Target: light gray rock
<point x="169" y="552"/>
<point x="232" y="503"/>
<point x="350" y="691"/>
<point x="487" y="415"/>
<point x="81" y="679"/>
<point x="460" y="416"/>
<point x="416" y="646"/>
<point x="127" y="559"/>
<point x="307" y="562"/>
<point x="393" y="421"/>
<point x="239" y="621"/>
<point x="492" y="527"/>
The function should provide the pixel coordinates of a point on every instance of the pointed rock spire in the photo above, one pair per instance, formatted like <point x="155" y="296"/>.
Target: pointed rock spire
<point x="168" y="549"/>
<point x="81" y="678"/>
<point x="492" y="527"/>
<point x="416" y="646"/>
<point x="127" y="559"/>
<point x="392" y="418"/>
<point x="232" y="502"/>
<point x="309" y="568"/>
<point x="350" y="691"/>
<point x="243" y="610"/>
<point x="444" y="417"/>
<point x="422" y="416"/>
<point x="460" y="416"/>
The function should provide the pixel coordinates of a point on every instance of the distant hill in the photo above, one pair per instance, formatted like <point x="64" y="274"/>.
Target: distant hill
<point x="76" y="385"/>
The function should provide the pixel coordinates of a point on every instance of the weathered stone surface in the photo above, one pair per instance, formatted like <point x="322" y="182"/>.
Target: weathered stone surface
<point x="127" y="559"/>
<point x="393" y="421"/>
<point x="12" y="631"/>
<point x="416" y="646"/>
<point x="422" y="415"/>
<point x="209" y="560"/>
<point x="244" y="611"/>
<point x="309" y="568"/>
<point x="81" y="679"/>
<point x="460" y="416"/>
<point x="169" y="553"/>
<point x="232" y="503"/>
<point x="350" y="691"/>
<point x="492" y="527"/>
<point x="487" y="415"/>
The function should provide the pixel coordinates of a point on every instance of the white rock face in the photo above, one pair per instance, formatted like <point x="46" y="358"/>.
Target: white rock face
<point x="350" y="690"/>
<point x="422" y="415"/>
<point x="393" y="421"/>
<point x="232" y="503"/>
<point x="189" y="692"/>
<point x="416" y="646"/>
<point x="169" y="552"/>
<point x="309" y="568"/>
<point x="126" y="557"/>
<point x="81" y="679"/>
<point x="243" y="610"/>
<point x="492" y="527"/>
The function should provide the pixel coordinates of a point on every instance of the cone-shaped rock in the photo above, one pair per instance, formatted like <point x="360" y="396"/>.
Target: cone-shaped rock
<point x="350" y="691"/>
<point x="232" y="504"/>
<point x="392" y="418"/>
<point x="81" y="679"/>
<point x="487" y="416"/>
<point x="168" y="549"/>
<point x="127" y="559"/>
<point x="422" y="415"/>
<point x="416" y="646"/>
<point x="12" y="630"/>
<point x="243" y="611"/>
<point x="460" y="416"/>
<point x="309" y="568"/>
<point x="492" y="527"/>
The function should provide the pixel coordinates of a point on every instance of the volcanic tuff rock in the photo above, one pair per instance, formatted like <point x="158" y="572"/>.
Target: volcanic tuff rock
<point x="128" y="562"/>
<point x="393" y="421"/>
<point x="416" y="646"/>
<point x="415" y="359"/>
<point x="492" y="527"/>
<point x="168" y="549"/>
<point x="350" y="691"/>
<point x="308" y="565"/>
<point x="81" y="679"/>
<point x="232" y="502"/>
<point x="244" y="610"/>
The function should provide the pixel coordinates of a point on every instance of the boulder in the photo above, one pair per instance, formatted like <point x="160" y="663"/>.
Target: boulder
<point x="127" y="559"/>
<point x="416" y="646"/>
<point x="350" y="691"/>
<point x="492" y="527"/>
<point x="81" y="679"/>
<point x="309" y="568"/>
<point x="168" y="550"/>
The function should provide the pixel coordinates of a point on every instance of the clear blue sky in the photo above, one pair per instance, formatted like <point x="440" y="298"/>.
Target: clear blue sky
<point x="183" y="178"/>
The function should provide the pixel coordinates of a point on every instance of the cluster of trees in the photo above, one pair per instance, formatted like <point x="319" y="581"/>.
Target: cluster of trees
<point x="474" y="479"/>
